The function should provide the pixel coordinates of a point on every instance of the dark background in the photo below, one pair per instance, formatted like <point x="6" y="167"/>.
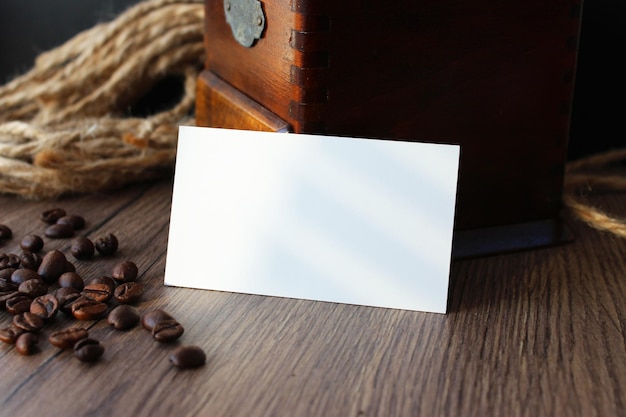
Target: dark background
<point x="28" y="27"/>
<point x="598" y="110"/>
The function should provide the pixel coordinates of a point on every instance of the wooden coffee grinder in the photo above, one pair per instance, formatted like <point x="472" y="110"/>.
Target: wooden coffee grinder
<point x="495" y="77"/>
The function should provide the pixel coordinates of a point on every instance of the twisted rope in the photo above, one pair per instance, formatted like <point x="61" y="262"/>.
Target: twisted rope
<point x="63" y="127"/>
<point x="589" y="175"/>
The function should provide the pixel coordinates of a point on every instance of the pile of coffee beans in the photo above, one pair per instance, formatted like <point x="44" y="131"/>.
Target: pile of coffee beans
<point x="35" y="288"/>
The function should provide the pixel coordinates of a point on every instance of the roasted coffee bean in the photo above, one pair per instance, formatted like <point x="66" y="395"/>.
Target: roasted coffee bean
<point x="73" y="220"/>
<point x="66" y="296"/>
<point x="33" y="288"/>
<point x="88" y="350"/>
<point x="188" y="356"/>
<point x="51" y="216"/>
<point x="123" y="317"/>
<point x="70" y="267"/>
<point x="71" y="280"/>
<point x="6" y="284"/>
<point x="166" y="331"/>
<point x="52" y="266"/>
<point x="5" y="273"/>
<point x="18" y="304"/>
<point x="30" y="260"/>
<point x="5" y="296"/>
<point x="28" y="322"/>
<point x="9" y="260"/>
<point x="97" y="292"/>
<point x="22" y="275"/>
<point x="103" y="279"/>
<point x="5" y="232"/>
<point x="87" y="309"/>
<point x="59" y="231"/>
<point x="10" y="334"/>
<point x="32" y="243"/>
<point x="62" y="293"/>
<point x="45" y="306"/>
<point x="27" y="344"/>
<point x="107" y="245"/>
<point x="66" y="339"/>
<point x="151" y="318"/>
<point x="125" y="271"/>
<point x="128" y="292"/>
<point x="82" y="248"/>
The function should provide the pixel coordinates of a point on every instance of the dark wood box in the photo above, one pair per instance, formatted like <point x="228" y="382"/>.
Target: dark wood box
<point x="494" y="76"/>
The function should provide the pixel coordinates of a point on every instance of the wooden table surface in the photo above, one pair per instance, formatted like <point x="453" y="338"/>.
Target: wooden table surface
<point x="538" y="333"/>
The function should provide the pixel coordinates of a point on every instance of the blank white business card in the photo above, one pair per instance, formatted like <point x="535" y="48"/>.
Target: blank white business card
<point x="348" y="220"/>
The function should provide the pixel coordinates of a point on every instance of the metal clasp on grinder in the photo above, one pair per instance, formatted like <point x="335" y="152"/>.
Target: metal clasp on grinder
<point x="246" y="20"/>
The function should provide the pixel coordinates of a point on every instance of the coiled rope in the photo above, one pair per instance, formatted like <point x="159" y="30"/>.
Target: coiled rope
<point x="594" y="174"/>
<point x="63" y="127"/>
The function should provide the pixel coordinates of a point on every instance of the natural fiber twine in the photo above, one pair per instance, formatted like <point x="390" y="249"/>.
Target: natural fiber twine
<point x="62" y="124"/>
<point x="63" y="129"/>
<point x="594" y="174"/>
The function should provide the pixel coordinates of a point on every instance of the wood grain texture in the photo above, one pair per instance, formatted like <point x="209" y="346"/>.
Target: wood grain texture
<point x="220" y="105"/>
<point x="528" y="334"/>
<point x="261" y="72"/>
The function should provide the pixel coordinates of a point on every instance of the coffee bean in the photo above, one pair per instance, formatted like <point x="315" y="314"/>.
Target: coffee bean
<point x="74" y="221"/>
<point x="70" y="267"/>
<point x="7" y="295"/>
<point x="66" y="297"/>
<point x="30" y="260"/>
<point x="88" y="350"/>
<point x="129" y="292"/>
<point x="71" y="280"/>
<point x="52" y="215"/>
<point x="82" y="248"/>
<point x="6" y="284"/>
<point x="52" y="266"/>
<point x="18" y="304"/>
<point x="22" y="275"/>
<point x="27" y="344"/>
<point x="45" y="306"/>
<point x="166" y="331"/>
<point x="10" y="334"/>
<point x="97" y="292"/>
<point x="66" y="339"/>
<point x="123" y="317"/>
<point x="28" y="322"/>
<point x="5" y="232"/>
<point x="103" y="279"/>
<point x="32" y="243"/>
<point x="125" y="271"/>
<point x="107" y="245"/>
<point x="33" y="288"/>
<point x="64" y="292"/>
<point x="151" y="318"/>
<point x="5" y="274"/>
<point x="59" y="231"/>
<point x="87" y="309"/>
<point x="188" y="356"/>
<point x="9" y="260"/>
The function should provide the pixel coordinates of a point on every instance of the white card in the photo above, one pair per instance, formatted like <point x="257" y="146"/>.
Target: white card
<point x="357" y="221"/>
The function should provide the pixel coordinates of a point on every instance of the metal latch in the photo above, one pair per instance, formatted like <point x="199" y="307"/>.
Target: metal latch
<point x="246" y="20"/>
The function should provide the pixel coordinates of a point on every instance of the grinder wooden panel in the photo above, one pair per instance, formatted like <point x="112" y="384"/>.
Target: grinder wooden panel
<point x="493" y="76"/>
